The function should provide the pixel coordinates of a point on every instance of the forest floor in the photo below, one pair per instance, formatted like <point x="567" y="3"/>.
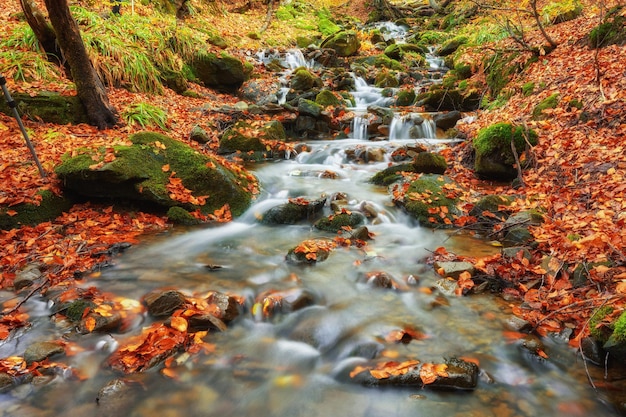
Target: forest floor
<point x="577" y="180"/>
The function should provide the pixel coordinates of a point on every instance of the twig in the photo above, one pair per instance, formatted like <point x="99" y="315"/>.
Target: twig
<point x="517" y="163"/>
<point x="574" y="304"/>
<point x="30" y="294"/>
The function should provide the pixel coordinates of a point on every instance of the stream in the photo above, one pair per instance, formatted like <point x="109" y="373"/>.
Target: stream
<point x="291" y="364"/>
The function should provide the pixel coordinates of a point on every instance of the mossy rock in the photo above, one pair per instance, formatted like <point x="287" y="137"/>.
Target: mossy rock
<point x="439" y="98"/>
<point x="243" y="137"/>
<point x="611" y="31"/>
<point x="141" y="172"/>
<point x="549" y="102"/>
<point x="463" y="71"/>
<point x="391" y="174"/>
<point x="50" y="207"/>
<point x="616" y="344"/>
<point x="293" y="212"/>
<point x="303" y="80"/>
<point x="217" y="40"/>
<point x="600" y="333"/>
<point x="327" y="98"/>
<point x="397" y="51"/>
<point x="494" y="156"/>
<point x="179" y="215"/>
<point x="344" y="43"/>
<point x="338" y="221"/>
<point x="381" y="61"/>
<point x="450" y="46"/>
<point x="493" y="204"/>
<point x="174" y="80"/>
<point x="429" y="163"/>
<point x="430" y="201"/>
<point x="48" y="107"/>
<point x="223" y="73"/>
<point x="405" y="98"/>
<point x="309" y="108"/>
<point x="386" y="79"/>
<point x="499" y="68"/>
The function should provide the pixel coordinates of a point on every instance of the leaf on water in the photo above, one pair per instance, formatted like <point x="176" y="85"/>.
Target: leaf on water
<point x="429" y="372"/>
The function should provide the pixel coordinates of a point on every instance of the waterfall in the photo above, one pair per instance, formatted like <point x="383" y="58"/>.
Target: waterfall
<point x="360" y="124"/>
<point x="366" y="95"/>
<point x="412" y="126"/>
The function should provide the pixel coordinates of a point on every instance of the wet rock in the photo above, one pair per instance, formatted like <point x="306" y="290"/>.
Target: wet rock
<point x="95" y="322"/>
<point x="336" y="222"/>
<point x="272" y="302"/>
<point x="429" y="163"/>
<point x="532" y="344"/>
<point x="162" y="303"/>
<point x="294" y="211"/>
<point x="229" y="305"/>
<point x="517" y="324"/>
<point x="379" y="279"/>
<point x="309" y="108"/>
<point x="39" y="351"/>
<point x="513" y="251"/>
<point x="593" y="351"/>
<point x="453" y="269"/>
<point x="223" y="73"/>
<point x="447" y="286"/>
<point x="344" y="43"/>
<point x="116" y="397"/>
<point x="199" y="135"/>
<point x="361" y="233"/>
<point x="455" y="374"/>
<point x="391" y="174"/>
<point x="200" y="322"/>
<point x="447" y="120"/>
<point x="27" y="277"/>
<point x="310" y="251"/>
<point x="6" y="382"/>
<point x="431" y="193"/>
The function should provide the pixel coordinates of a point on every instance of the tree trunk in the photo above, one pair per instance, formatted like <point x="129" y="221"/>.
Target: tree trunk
<point x="42" y="28"/>
<point x="89" y="87"/>
<point x="387" y="10"/>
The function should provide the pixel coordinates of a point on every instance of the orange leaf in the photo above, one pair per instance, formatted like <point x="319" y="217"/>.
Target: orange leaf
<point x="90" y="323"/>
<point x="430" y="371"/>
<point x="165" y="168"/>
<point x="179" y="324"/>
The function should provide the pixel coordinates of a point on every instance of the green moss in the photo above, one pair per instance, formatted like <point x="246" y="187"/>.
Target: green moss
<point x="575" y="104"/>
<point x="327" y="98"/>
<point x="325" y="24"/>
<point x="391" y="174"/>
<point x="498" y="137"/>
<point x="75" y="310"/>
<point x="385" y="79"/>
<point x="405" y="98"/>
<point x="528" y="88"/>
<point x="492" y="203"/>
<point x="463" y="71"/>
<point x="336" y="222"/>
<point x="179" y="215"/>
<point x="50" y="207"/>
<point x="427" y="193"/>
<point x="382" y="61"/>
<point x="549" y="102"/>
<point x="611" y="31"/>
<point x="450" y="46"/>
<point x="50" y="107"/>
<point x="430" y="163"/>
<point x="499" y="68"/>
<point x="598" y="333"/>
<point x="619" y="329"/>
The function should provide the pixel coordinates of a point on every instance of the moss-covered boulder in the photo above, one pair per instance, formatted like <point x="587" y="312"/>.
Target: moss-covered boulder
<point x="450" y="46"/>
<point x="48" y="207"/>
<point x="293" y="211"/>
<point x="398" y="50"/>
<point x="244" y="137"/>
<point x="327" y="98"/>
<point x="303" y="80"/>
<point x="549" y="102"/>
<point x="405" y="97"/>
<point x="309" y="108"/>
<point x="429" y="163"/>
<point x="440" y="98"/>
<point x="344" y="43"/>
<point x="336" y="222"/>
<point x="381" y="61"/>
<point x="494" y="156"/>
<point x="386" y="79"/>
<point x="160" y="171"/>
<point x="391" y="174"/>
<point x="222" y="72"/>
<point x="432" y="200"/>
<point x="49" y="107"/>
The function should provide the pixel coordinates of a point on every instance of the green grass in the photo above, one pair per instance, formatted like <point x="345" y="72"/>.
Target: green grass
<point x="145" y="115"/>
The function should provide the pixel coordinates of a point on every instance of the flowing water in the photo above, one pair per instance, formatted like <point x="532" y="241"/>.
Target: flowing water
<point x="294" y="364"/>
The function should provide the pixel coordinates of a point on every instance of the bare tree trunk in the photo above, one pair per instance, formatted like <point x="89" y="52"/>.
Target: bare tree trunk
<point x="89" y="87"/>
<point x="387" y="10"/>
<point x="42" y="28"/>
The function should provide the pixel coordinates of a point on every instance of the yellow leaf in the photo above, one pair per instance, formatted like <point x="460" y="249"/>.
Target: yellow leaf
<point x="90" y="323"/>
<point x="179" y="324"/>
<point x="165" y="168"/>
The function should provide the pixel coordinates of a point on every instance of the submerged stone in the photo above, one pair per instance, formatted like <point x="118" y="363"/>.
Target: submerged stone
<point x="162" y="303"/>
<point x="38" y="351"/>
<point x="294" y="211"/>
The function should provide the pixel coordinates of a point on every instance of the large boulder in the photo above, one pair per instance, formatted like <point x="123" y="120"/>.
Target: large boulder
<point x="432" y="200"/>
<point x="248" y="140"/>
<point x="494" y="155"/>
<point x="223" y="72"/>
<point x="158" y="170"/>
<point x="344" y="43"/>
<point x="49" y="107"/>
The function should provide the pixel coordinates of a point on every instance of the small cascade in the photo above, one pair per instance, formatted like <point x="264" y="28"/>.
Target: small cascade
<point x="435" y="62"/>
<point x="360" y="124"/>
<point x="367" y="95"/>
<point x="290" y="60"/>
<point x="412" y="126"/>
